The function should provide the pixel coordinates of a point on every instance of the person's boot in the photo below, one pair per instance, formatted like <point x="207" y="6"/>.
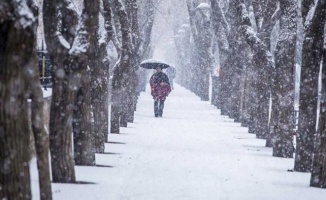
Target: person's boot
<point x="160" y="109"/>
<point x="160" y="112"/>
<point x="156" y="109"/>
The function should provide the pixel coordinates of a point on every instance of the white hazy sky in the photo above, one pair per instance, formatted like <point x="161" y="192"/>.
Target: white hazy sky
<point x="191" y="153"/>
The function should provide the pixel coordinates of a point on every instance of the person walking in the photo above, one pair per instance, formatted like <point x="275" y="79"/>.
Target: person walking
<point x="160" y="89"/>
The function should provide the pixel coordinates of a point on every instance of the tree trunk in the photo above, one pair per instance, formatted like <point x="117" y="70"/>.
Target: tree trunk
<point x="311" y="59"/>
<point x="99" y="89"/>
<point x="201" y="33"/>
<point x="105" y="85"/>
<point x="41" y="137"/>
<point x="59" y="17"/>
<point x="84" y="153"/>
<point x="260" y="76"/>
<point x="101" y="103"/>
<point x="318" y="172"/>
<point x="17" y="41"/>
<point x="285" y="65"/>
<point x="41" y="140"/>
<point x="122" y="71"/>
<point x="60" y="127"/>
<point x="245" y="82"/>
<point x="231" y="70"/>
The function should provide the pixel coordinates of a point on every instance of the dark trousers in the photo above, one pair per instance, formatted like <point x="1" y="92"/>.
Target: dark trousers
<point x="158" y="108"/>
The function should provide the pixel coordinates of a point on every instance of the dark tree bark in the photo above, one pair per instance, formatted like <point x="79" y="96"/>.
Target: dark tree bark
<point x="311" y="59"/>
<point x="200" y="26"/>
<point x="258" y="10"/>
<point x="269" y="14"/>
<point x="41" y="138"/>
<point x="318" y="175"/>
<point x="82" y="126"/>
<point x="220" y="27"/>
<point x="99" y="76"/>
<point x="14" y="140"/>
<point x="184" y="49"/>
<point x="19" y="78"/>
<point x="266" y="16"/>
<point x="107" y="14"/>
<point x="285" y="69"/>
<point x="121" y="74"/>
<point x="87" y="96"/>
<point x="232" y="65"/>
<point x="59" y="25"/>
<point x="231" y="69"/>
<point x="246" y="80"/>
<point x="260" y="75"/>
<point x="131" y="98"/>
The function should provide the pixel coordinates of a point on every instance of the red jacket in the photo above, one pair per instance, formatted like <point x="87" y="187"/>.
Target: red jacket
<point x="160" y="86"/>
<point x="160" y="92"/>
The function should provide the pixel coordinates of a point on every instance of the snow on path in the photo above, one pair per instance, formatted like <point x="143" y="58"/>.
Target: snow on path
<point x="191" y="153"/>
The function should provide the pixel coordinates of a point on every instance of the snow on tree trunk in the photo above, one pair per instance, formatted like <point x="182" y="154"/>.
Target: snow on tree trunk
<point x="41" y="135"/>
<point x="318" y="172"/>
<point x="85" y="50"/>
<point x="260" y="76"/>
<point x="122" y="71"/>
<point x="107" y="15"/>
<point x="132" y="10"/>
<point x="266" y="17"/>
<point x="311" y="59"/>
<point x="284" y="89"/>
<point x="220" y="28"/>
<point x="99" y="105"/>
<point x="19" y="78"/>
<point x="60" y="20"/>
<point x="246" y="102"/>
<point x="231" y="69"/>
<point x="84" y="153"/>
<point x="201" y="33"/>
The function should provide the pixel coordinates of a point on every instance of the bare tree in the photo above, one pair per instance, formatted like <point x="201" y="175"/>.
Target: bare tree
<point x="103" y="135"/>
<point x="137" y="49"/>
<point x="121" y="78"/>
<point x="85" y="50"/>
<point x="258" y="74"/>
<point x="314" y="45"/>
<point x="311" y="59"/>
<point x="284" y="89"/>
<point x="318" y="175"/>
<point x="199" y="17"/>
<point x="60" y="20"/>
<point x="221" y="28"/>
<point x="19" y="78"/>
<point x="266" y="15"/>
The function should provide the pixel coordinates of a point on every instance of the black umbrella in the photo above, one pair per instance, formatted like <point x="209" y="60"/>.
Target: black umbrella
<point x="153" y="64"/>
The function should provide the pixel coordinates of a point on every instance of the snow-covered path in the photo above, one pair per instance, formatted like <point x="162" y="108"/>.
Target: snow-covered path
<point x="191" y="153"/>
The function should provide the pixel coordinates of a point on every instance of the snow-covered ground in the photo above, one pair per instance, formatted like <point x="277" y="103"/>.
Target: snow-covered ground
<point x="47" y="92"/>
<point x="191" y="153"/>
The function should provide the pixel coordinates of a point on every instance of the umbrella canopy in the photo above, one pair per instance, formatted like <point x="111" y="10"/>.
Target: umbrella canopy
<point x="153" y="64"/>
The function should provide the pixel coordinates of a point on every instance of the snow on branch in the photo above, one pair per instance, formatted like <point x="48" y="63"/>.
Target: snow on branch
<point x="23" y="13"/>
<point x="245" y="20"/>
<point x="70" y="6"/>
<point x="309" y="17"/>
<point x="62" y="40"/>
<point x="80" y="44"/>
<point x="256" y="44"/>
<point x="203" y="6"/>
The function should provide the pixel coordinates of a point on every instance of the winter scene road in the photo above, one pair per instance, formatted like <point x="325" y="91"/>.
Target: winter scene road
<point x="192" y="152"/>
<point x="84" y="112"/>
